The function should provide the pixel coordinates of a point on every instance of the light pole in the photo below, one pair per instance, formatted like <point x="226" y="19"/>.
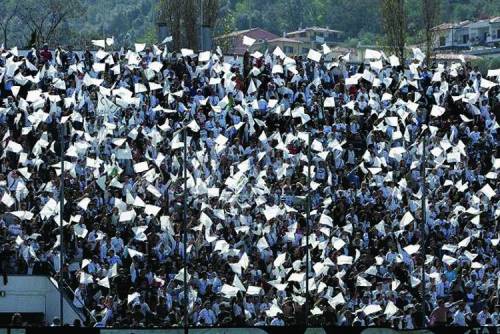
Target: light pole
<point x="61" y="220"/>
<point x="184" y="231"/>
<point x="308" y="215"/>
<point x="202" y="40"/>
<point x="422" y="224"/>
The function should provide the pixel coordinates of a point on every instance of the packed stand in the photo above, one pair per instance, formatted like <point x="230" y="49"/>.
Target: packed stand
<point x="267" y="136"/>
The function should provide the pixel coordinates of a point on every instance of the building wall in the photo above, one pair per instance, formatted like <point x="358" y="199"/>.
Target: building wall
<point x="461" y="36"/>
<point x="473" y="34"/>
<point x="288" y="48"/>
<point x="34" y="294"/>
<point x="312" y="39"/>
<point x="453" y="37"/>
<point x="478" y="36"/>
<point x="494" y="31"/>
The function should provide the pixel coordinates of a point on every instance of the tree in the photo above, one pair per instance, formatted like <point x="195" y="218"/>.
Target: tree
<point x="296" y="12"/>
<point x="394" y="23"/>
<point x="44" y="17"/>
<point x="185" y="19"/>
<point x="169" y="13"/>
<point x="430" y="16"/>
<point x="190" y="19"/>
<point x="9" y="13"/>
<point x="211" y="10"/>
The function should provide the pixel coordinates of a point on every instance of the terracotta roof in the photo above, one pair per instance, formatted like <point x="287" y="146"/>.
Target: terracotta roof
<point x="256" y="33"/>
<point x="318" y="29"/>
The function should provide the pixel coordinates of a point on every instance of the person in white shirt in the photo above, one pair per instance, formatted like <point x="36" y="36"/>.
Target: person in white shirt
<point x="208" y="315"/>
<point x="78" y="299"/>
<point x="442" y="286"/>
<point x="278" y="320"/>
<point x="117" y="243"/>
<point x="495" y="316"/>
<point x="459" y="316"/>
<point x="483" y="316"/>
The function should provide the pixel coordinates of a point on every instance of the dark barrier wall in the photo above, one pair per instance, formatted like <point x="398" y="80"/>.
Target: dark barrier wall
<point x="266" y="330"/>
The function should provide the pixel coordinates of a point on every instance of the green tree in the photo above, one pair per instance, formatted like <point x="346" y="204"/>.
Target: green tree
<point x="394" y="22"/>
<point x="44" y="17"/>
<point x="430" y="15"/>
<point x="9" y="14"/>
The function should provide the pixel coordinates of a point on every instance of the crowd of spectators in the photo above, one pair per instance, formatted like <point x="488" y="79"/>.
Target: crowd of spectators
<point x="247" y="149"/>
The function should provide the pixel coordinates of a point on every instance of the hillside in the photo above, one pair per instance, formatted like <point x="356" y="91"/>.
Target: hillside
<point x="133" y="20"/>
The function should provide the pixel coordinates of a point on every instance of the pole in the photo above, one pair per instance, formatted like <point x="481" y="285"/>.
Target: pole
<point x="202" y="46"/>
<point x="308" y="214"/>
<point x="184" y="234"/>
<point x="422" y="225"/>
<point x="452" y="37"/>
<point x="249" y="4"/>
<point x="322" y="104"/>
<point x="61" y="220"/>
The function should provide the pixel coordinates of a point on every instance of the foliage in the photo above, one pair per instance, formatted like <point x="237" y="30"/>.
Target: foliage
<point x="185" y="20"/>
<point x="486" y="63"/>
<point x="430" y="16"/>
<point x="45" y="17"/>
<point x="9" y="15"/>
<point x="134" y="20"/>
<point x="395" y="25"/>
<point x="126" y="20"/>
<point x="225" y="25"/>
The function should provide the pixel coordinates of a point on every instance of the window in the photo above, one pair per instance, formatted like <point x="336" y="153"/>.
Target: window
<point x="498" y="33"/>
<point x="465" y="39"/>
<point x="288" y="49"/>
<point x="305" y="50"/>
<point x="442" y="41"/>
<point x="303" y="34"/>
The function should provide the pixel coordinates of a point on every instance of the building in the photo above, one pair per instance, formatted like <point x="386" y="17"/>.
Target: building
<point x="452" y="36"/>
<point x="315" y="37"/>
<point x="293" y="43"/>
<point x="232" y="43"/>
<point x="479" y="32"/>
<point x="289" y="46"/>
<point x="494" y="31"/>
<point x="467" y="34"/>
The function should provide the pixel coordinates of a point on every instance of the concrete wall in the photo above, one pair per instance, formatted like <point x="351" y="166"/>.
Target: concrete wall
<point x="35" y="294"/>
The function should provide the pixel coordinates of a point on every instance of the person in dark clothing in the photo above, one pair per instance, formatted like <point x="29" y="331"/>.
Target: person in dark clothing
<point x="45" y="54"/>
<point x="5" y="256"/>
